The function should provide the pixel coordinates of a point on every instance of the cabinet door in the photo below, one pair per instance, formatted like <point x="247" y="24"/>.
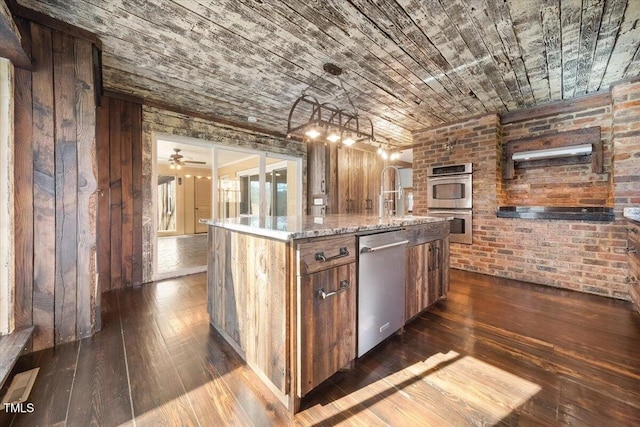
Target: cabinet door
<point x="417" y="273"/>
<point x="425" y="276"/>
<point x="359" y="181"/>
<point x="322" y="178"/>
<point x="317" y="168"/>
<point x="327" y="324"/>
<point x="436" y="284"/>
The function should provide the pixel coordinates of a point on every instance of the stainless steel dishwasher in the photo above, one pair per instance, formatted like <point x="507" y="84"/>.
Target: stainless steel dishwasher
<point x="381" y="305"/>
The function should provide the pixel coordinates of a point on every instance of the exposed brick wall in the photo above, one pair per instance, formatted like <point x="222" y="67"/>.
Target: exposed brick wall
<point x="586" y="256"/>
<point x="474" y="141"/>
<point x="626" y="135"/>
<point x="562" y="185"/>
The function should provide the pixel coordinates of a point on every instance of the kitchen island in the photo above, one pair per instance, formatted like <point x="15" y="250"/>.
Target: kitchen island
<point x="283" y="291"/>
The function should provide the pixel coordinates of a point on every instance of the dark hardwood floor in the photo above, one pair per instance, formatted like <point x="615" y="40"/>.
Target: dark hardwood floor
<point x="496" y="352"/>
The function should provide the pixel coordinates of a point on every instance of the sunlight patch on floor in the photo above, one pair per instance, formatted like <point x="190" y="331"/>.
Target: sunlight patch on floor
<point x="450" y="389"/>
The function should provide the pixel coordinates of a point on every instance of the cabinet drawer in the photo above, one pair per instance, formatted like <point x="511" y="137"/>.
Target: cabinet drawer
<point x="321" y="253"/>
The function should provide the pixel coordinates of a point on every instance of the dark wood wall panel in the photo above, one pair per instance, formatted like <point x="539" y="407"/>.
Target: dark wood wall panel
<point x="115" y="191"/>
<point x="55" y="189"/>
<point x="126" y="180"/>
<point x="44" y="188"/>
<point x="23" y="194"/>
<point x="88" y="299"/>
<point x="120" y="228"/>
<point x="136" y="170"/>
<point x="103" y="228"/>
<point x="66" y="167"/>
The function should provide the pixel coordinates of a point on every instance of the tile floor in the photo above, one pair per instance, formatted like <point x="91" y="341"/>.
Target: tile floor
<point x="181" y="252"/>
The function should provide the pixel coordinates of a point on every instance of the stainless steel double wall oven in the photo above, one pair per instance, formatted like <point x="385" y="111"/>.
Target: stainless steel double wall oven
<point x="450" y="194"/>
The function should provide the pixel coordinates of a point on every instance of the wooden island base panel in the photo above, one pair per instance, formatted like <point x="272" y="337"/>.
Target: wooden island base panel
<point x="283" y="290"/>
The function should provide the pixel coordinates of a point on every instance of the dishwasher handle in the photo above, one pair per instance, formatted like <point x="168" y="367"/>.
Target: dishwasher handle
<point x="368" y="249"/>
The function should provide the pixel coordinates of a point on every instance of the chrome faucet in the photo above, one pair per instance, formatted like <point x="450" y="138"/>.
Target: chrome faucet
<point x="397" y="192"/>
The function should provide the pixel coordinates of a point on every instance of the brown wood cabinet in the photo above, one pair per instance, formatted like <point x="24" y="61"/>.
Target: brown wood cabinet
<point x="358" y="184"/>
<point x="345" y="180"/>
<point x="288" y="306"/>
<point x="326" y="307"/>
<point x="426" y="271"/>
<point x="633" y="251"/>
<point x="327" y="324"/>
<point x="321" y="178"/>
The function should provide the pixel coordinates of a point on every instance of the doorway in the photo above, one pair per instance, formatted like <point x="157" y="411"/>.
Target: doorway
<point x="198" y="180"/>
<point x="183" y="196"/>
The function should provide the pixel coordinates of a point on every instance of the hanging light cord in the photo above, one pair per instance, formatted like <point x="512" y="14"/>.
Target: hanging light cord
<point x="318" y="77"/>
<point x="355" y="110"/>
<point x="313" y="82"/>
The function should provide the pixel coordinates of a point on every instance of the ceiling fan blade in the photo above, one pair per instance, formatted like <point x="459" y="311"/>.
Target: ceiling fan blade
<point x="197" y="162"/>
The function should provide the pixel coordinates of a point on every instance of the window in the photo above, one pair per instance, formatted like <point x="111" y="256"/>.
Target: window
<point x="240" y="189"/>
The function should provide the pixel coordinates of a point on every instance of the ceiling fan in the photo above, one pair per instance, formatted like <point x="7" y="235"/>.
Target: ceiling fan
<point x="176" y="162"/>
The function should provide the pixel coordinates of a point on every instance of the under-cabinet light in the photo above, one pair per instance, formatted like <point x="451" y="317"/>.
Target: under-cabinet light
<point x="551" y="153"/>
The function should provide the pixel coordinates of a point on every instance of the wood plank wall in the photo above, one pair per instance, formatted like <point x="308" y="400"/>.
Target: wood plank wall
<point x="55" y="185"/>
<point x="119" y="136"/>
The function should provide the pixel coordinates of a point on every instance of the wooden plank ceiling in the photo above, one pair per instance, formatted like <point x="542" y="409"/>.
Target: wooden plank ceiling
<point x="409" y="64"/>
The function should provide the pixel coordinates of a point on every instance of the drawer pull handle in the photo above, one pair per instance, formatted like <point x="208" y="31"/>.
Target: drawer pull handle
<point x="343" y="253"/>
<point x="344" y="285"/>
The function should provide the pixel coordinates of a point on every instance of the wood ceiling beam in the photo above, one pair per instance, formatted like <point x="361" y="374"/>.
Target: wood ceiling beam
<point x="10" y="43"/>
<point x="55" y="24"/>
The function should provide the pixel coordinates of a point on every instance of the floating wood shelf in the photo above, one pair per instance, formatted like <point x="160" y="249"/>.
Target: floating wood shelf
<point x="578" y="137"/>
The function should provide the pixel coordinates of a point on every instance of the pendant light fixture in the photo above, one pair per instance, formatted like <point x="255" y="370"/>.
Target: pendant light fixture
<point x="388" y="151"/>
<point x="325" y="121"/>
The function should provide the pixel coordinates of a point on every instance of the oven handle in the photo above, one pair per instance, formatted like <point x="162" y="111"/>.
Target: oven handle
<point x="368" y="249"/>
<point x="454" y="177"/>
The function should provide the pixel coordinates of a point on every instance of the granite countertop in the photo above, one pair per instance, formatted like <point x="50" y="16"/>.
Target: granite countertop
<point x="300" y="227"/>
<point x="632" y="213"/>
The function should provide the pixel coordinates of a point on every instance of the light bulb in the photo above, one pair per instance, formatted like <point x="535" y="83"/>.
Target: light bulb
<point x="333" y="137"/>
<point x="312" y="133"/>
<point x="172" y="166"/>
<point x="384" y="155"/>
<point x="380" y="150"/>
<point x="348" y="140"/>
